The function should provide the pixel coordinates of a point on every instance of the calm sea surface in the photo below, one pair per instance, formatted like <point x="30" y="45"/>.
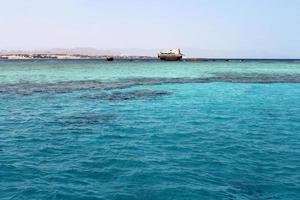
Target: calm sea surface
<point x="149" y="130"/>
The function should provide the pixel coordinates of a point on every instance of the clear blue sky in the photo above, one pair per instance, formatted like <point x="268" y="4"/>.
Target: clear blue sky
<point x="210" y="28"/>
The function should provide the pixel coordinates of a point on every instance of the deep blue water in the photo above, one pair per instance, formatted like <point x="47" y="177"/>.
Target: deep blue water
<point x="210" y="131"/>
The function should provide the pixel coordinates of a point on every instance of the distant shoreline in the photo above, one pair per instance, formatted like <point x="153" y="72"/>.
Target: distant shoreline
<point x="41" y="56"/>
<point x="78" y="56"/>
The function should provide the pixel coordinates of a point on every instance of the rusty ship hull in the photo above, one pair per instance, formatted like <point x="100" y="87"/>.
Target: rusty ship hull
<point x="170" y="57"/>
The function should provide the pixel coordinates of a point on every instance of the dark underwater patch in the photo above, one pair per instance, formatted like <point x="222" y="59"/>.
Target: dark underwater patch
<point x="256" y="78"/>
<point x="71" y="86"/>
<point x="123" y="96"/>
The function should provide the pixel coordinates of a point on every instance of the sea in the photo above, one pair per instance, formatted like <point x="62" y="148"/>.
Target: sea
<point x="150" y="130"/>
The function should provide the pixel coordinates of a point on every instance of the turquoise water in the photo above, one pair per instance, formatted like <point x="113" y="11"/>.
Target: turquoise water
<point x="149" y="130"/>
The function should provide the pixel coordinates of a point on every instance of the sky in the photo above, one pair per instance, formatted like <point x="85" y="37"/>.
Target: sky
<point x="201" y="28"/>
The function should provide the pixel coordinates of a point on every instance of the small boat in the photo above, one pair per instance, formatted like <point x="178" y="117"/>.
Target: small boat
<point x="172" y="55"/>
<point x="110" y="59"/>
